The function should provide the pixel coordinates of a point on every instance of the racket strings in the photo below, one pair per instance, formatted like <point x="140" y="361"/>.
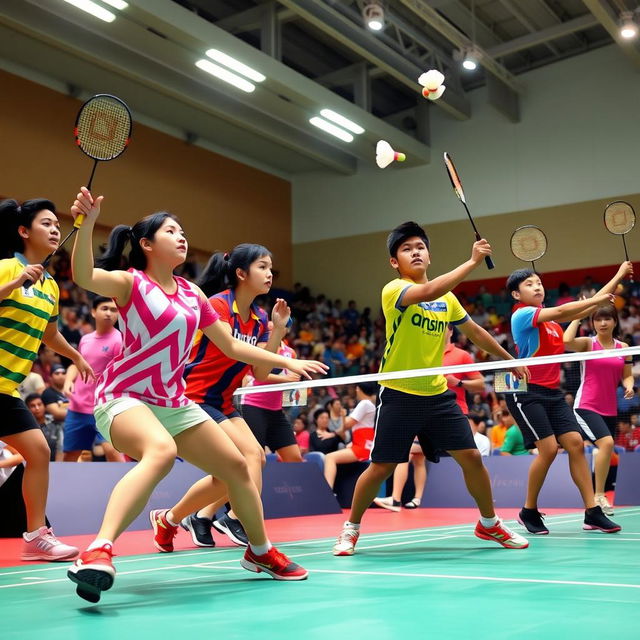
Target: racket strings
<point x="619" y="218"/>
<point x="528" y="243"/>
<point x="103" y="128"/>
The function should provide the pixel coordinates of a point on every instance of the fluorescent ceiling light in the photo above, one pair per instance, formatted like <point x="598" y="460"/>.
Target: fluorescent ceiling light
<point x="628" y="26"/>
<point x="331" y="128"/>
<point x="94" y="9"/>
<point x="342" y="121"/>
<point x="117" y="4"/>
<point x="227" y="76"/>
<point x="236" y="65"/>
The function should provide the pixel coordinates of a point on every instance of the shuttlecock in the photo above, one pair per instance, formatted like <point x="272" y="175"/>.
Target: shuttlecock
<point x="385" y="154"/>
<point x="431" y="81"/>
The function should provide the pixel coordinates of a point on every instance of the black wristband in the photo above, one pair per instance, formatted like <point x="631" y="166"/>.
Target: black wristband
<point x="459" y="384"/>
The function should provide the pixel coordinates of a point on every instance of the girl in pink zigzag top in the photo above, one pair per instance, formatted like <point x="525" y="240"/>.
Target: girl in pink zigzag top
<point x="141" y="407"/>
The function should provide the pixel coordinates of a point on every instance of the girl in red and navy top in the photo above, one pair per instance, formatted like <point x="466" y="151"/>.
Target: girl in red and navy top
<point x="231" y="281"/>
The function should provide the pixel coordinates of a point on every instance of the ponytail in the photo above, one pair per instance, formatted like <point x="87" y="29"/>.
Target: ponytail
<point x="113" y="258"/>
<point x="220" y="272"/>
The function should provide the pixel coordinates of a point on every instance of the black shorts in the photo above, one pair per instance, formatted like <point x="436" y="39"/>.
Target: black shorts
<point x="15" y="417"/>
<point x="541" y="412"/>
<point x="217" y="415"/>
<point x="271" y="428"/>
<point x="594" y="425"/>
<point x="437" y="421"/>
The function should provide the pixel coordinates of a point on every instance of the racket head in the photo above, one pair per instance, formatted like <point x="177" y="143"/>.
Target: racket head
<point x="103" y="127"/>
<point x="528" y="243"/>
<point x="456" y="183"/>
<point x="619" y="217"/>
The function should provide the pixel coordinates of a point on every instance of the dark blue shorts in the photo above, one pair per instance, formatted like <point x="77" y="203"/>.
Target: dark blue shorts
<point x="217" y="414"/>
<point x="80" y="432"/>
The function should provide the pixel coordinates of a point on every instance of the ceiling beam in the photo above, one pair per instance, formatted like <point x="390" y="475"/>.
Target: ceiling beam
<point x="369" y="47"/>
<point x="609" y="20"/>
<point x="544" y="35"/>
<point x="456" y="37"/>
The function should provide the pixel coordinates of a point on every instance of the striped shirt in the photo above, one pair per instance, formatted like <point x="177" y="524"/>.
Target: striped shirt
<point x="158" y="330"/>
<point x="24" y="316"/>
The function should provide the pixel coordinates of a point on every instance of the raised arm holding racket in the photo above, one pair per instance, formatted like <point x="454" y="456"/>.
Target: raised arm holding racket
<point x="102" y="131"/>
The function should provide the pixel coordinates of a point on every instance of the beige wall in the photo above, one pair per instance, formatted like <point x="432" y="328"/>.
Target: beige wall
<point x="220" y="202"/>
<point x="357" y="267"/>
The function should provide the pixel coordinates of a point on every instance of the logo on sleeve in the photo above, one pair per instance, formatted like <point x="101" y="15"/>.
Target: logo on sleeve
<point x="434" y="306"/>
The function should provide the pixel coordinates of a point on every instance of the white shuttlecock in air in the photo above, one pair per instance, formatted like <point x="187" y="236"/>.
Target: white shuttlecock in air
<point x="385" y="154"/>
<point x="431" y="81"/>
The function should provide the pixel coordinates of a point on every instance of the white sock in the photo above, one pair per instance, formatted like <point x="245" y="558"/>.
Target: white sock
<point x="352" y="525"/>
<point x="261" y="549"/>
<point x="489" y="522"/>
<point x="31" y="535"/>
<point x="171" y="522"/>
<point x="99" y="542"/>
<point x="416" y="501"/>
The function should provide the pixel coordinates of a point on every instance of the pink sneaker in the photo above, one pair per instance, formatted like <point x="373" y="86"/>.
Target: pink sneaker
<point x="47" y="547"/>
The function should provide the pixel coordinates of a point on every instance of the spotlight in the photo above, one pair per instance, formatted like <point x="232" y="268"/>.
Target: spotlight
<point x="628" y="26"/>
<point x="373" y="15"/>
<point x="470" y="59"/>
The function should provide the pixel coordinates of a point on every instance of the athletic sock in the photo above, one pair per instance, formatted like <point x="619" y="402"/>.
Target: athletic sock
<point x="171" y="522"/>
<point x="31" y="535"/>
<point x="260" y="549"/>
<point x="489" y="522"/>
<point x="99" y="542"/>
<point x="352" y="525"/>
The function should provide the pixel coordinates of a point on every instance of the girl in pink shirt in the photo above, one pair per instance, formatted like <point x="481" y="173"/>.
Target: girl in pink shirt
<point x="141" y="405"/>
<point x="595" y="404"/>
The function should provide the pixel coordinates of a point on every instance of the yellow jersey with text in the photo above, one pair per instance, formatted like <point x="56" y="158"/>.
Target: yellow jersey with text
<point x="416" y="337"/>
<point x="24" y="316"/>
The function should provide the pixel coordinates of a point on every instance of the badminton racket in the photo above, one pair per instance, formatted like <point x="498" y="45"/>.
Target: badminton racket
<point x="528" y="243"/>
<point x="619" y="219"/>
<point x="102" y="132"/>
<point x="456" y="183"/>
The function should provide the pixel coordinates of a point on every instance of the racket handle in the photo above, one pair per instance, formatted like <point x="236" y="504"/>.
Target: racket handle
<point x="77" y="223"/>
<point x="489" y="262"/>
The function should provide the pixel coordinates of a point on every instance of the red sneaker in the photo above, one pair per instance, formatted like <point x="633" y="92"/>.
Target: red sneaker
<point x="501" y="534"/>
<point x="163" y="532"/>
<point x="276" y="564"/>
<point x="93" y="572"/>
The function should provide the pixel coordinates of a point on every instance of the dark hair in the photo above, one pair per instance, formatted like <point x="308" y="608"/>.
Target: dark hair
<point x="12" y="216"/>
<point x="607" y="311"/>
<point x="401" y="233"/>
<point x="368" y="388"/>
<point x="518" y="277"/>
<point x="318" y="413"/>
<point x="98" y="300"/>
<point x="220" y="272"/>
<point x="475" y="418"/>
<point x="31" y="397"/>
<point x="121" y="234"/>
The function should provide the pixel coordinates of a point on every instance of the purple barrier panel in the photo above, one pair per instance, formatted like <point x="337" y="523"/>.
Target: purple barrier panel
<point x="78" y="493"/>
<point x="296" y="489"/>
<point x="628" y="479"/>
<point x="446" y="487"/>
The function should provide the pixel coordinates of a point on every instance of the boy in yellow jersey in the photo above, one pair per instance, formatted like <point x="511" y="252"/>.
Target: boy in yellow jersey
<point x="28" y="313"/>
<point x="417" y="313"/>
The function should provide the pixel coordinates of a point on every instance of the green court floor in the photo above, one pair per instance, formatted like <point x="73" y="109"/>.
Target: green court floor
<point x="440" y="583"/>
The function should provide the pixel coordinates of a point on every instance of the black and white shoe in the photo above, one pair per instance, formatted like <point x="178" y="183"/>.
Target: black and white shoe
<point x="233" y="529"/>
<point x="532" y="521"/>
<point x="595" y="520"/>
<point x="200" y="530"/>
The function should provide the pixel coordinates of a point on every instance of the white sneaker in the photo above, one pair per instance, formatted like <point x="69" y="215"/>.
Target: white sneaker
<point x="47" y="547"/>
<point x="603" y="503"/>
<point x="346" y="544"/>
<point x="386" y="503"/>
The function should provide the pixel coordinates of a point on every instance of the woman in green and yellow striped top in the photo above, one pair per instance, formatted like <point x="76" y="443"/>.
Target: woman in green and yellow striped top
<point x="28" y="317"/>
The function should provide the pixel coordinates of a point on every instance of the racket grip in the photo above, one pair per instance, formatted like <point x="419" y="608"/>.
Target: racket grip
<point x="77" y="223"/>
<point x="27" y="284"/>
<point x="489" y="262"/>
